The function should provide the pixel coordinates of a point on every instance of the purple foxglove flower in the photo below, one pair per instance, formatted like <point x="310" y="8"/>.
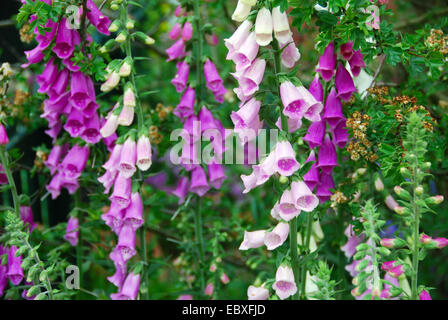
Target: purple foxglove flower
<point x="313" y="107"/>
<point x="72" y="231"/>
<point x="237" y="39"/>
<point x="224" y="278"/>
<point x="216" y="174"/>
<point x="114" y="218"/>
<point x="304" y="199"/>
<point x="114" y="159"/>
<point x="257" y="293"/>
<point x="246" y="114"/>
<point x="54" y="157"/>
<point x="316" y="89"/>
<point x="293" y="124"/>
<point x="327" y="156"/>
<point x="91" y="133"/>
<point x="80" y="88"/>
<point x="206" y="119"/>
<point x="340" y="134"/>
<point x="287" y="208"/>
<point x="220" y="93"/>
<point x="144" y="153"/>
<point x="424" y="295"/>
<point x="199" y="183"/>
<point x="175" y="31"/>
<point x="59" y="85"/>
<point x="120" y="273"/>
<point x="344" y="83"/>
<point x="66" y="40"/>
<point x="209" y="289"/>
<point x="134" y="213"/>
<point x="277" y="236"/>
<point x="74" y="162"/>
<point x="252" y="239"/>
<point x="440" y="242"/>
<point x="122" y="192"/>
<point x="281" y="25"/>
<point x="185" y="108"/>
<point x="179" y="11"/>
<point x="4" y="140"/>
<point x="126" y="243"/>
<point x="26" y="214"/>
<point x="290" y="55"/>
<point x="252" y="77"/>
<point x="33" y="56"/>
<point x="176" y="51"/>
<point x="311" y="178"/>
<point x="327" y="63"/>
<point x="347" y="50"/>
<point x="181" y="189"/>
<point x="242" y="11"/>
<point x="284" y="284"/>
<point x="47" y="77"/>
<point x="55" y="185"/>
<point x="285" y="159"/>
<point x="107" y="180"/>
<point x="263" y="27"/>
<point x="294" y="105"/>
<point x="189" y="156"/>
<point x="54" y="130"/>
<point x="185" y="297"/>
<point x="323" y="188"/>
<point x="3" y="274"/>
<point x="130" y="288"/>
<point x="212" y="78"/>
<point x="247" y="53"/>
<point x="100" y="21"/>
<point x="192" y="129"/>
<point x="181" y="78"/>
<point x="75" y="123"/>
<point x="90" y="110"/>
<point x="187" y="31"/>
<point x="356" y="63"/>
<point x="46" y="38"/>
<point x="15" y="271"/>
<point x="333" y="109"/>
<point x="353" y="241"/>
<point x="128" y="158"/>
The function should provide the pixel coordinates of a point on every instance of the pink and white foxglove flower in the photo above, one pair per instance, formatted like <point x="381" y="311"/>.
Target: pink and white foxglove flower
<point x="287" y="209"/>
<point x="253" y="239"/>
<point x="285" y="159"/>
<point x="277" y="236"/>
<point x="263" y="27"/>
<point x="257" y="293"/>
<point x="304" y="199"/>
<point x="284" y="285"/>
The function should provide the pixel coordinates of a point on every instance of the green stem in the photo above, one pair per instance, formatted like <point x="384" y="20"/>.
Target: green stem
<point x="145" y="258"/>
<point x="200" y="240"/>
<point x="303" y="268"/>
<point x="415" y="249"/>
<point x="294" y="253"/>
<point x="12" y="184"/>
<point x="128" y="51"/>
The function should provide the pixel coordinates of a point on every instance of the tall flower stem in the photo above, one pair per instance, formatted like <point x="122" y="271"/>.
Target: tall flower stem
<point x="293" y="222"/>
<point x="128" y="51"/>
<point x="303" y="269"/>
<point x="15" y="196"/>
<point x="199" y="91"/>
<point x="415" y="235"/>
<point x="200" y="240"/>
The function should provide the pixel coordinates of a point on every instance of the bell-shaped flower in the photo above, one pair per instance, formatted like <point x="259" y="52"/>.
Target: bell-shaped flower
<point x="128" y="158"/>
<point x="315" y="134"/>
<point x="181" y="189"/>
<point x="114" y="218"/>
<point x="247" y="53"/>
<point x="126" y="243"/>
<point x="181" y="78"/>
<point x="176" y="51"/>
<point x="285" y="159"/>
<point x="347" y="50"/>
<point x="72" y="231"/>
<point x="257" y="293"/>
<point x="263" y="27"/>
<point x="185" y="108"/>
<point x="327" y="63"/>
<point x="277" y="236"/>
<point x="327" y="156"/>
<point x="323" y="188"/>
<point x="100" y="21"/>
<point x="133" y="215"/>
<point x="175" y="32"/>
<point x="357" y="63"/>
<point x="144" y="153"/>
<point x="291" y="54"/>
<point x="26" y="214"/>
<point x="212" y="78"/>
<point x="122" y="192"/>
<point x="112" y="81"/>
<point x="129" y="290"/>
<point x="216" y="174"/>
<point x="54" y="157"/>
<point x="333" y="109"/>
<point x="284" y="285"/>
<point x="187" y="31"/>
<point x="286" y="208"/>
<point x="74" y="162"/>
<point x="252" y="239"/>
<point x="293" y="124"/>
<point x="15" y="271"/>
<point x="340" y="134"/>
<point x="281" y="25"/>
<point x="311" y="178"/>
<point x="252" y="77"/>
<point x="304" y="199"/>
<point x="242" y="10"/>
<point x="237" y="39"/>
<point x="344" y="83"/>
<point x="91" y="133"/>
<point x="199" y="183"/>
<point x="316" y="89"/>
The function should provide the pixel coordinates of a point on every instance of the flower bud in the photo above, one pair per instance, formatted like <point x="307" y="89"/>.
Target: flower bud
<point x="129" y="96"/>
<point x="130" y="24"/>
<point x="107" y="46"/>
<point x="144" y="38"/>
<point x="122" y="36"/>
<point x="111" y="82"/>
<point x="402" y="193"/>
<point x="379" y="186"/>
<point x="4" y="140"/>
<point x="419" y="190"/>
<point x="263" y="27"/>
<point x="115" y="26"/>
<point x="126" y="67"/>
<point x="283" y="179"/>
<point x="434" y="200"/>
